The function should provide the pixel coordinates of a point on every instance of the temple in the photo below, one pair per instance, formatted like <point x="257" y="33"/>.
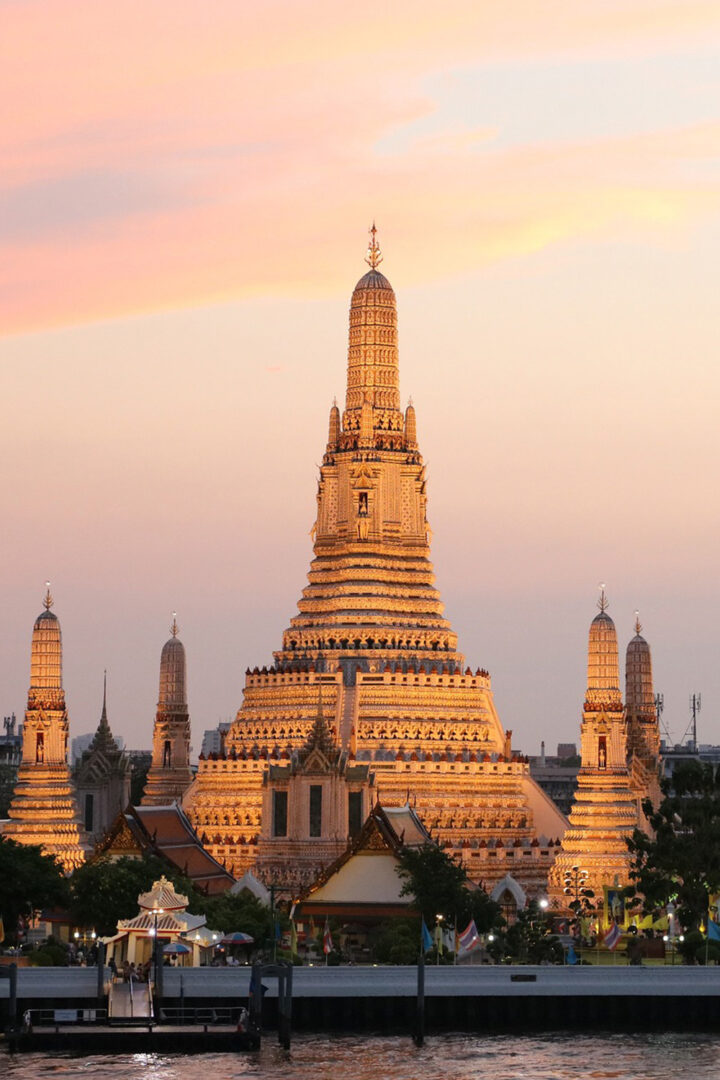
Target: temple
<point x="43" y="810"/>
<point x="170" y="774"/>
<point x="619" y="754"/>
<point x="102" y="778"/>
<point x="371" y="651"/>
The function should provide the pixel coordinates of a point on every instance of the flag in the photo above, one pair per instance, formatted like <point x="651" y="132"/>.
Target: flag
<point x="293" y="938"/>
<point x="713" y="930"/>
<point x="427" y="941"/>
<point x="572" y="956"/>
<point x="612" y="936"/>
<point x="327" y="938"/>
<point x="278" y="931"/>
<point x="2" y="929"/>
<point x="438" y="934"/>
<point x="469" y="937"/>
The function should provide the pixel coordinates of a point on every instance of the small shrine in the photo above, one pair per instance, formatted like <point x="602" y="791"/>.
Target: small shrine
<point x="163" y="912"/>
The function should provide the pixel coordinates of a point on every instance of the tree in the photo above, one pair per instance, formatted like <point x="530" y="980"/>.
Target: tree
<point x="244" y="912"/>
<point x="527" y="940"/>
<point x="680" y="861"/>
<point x="29" y="881"/>
<point x="103" y="892"/>
<point x="441" y="887"/>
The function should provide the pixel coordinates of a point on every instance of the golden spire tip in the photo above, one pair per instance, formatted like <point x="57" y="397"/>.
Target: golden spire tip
<point x="638" y="624"/>
<point x="374" y="255"/>
<point x="603" y="602"/>
<point x="48" y="601"/>
<point x="174" y="627"/>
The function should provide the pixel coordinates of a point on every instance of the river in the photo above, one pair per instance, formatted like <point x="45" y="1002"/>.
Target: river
<point x="447" y="1057"/>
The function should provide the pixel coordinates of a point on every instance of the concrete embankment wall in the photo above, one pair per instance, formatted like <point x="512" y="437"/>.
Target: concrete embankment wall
<point x="464" y="999"/>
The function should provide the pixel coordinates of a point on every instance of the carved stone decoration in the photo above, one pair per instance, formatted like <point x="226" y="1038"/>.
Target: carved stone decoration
<point x="43" y="809"/>
<point x="371" y="649"/>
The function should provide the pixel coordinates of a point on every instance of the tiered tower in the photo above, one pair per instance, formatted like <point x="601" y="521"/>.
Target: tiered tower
<point x="371" y="643"/>
<point x="604" y="811"/>
<point x="643" y="734"/>
<point x="43" y="810"/>
<point x="170" y="775"/>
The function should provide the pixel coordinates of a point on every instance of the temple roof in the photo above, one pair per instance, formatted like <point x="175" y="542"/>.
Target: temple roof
<point x="163" y="896"/>
<point x="166" y="831"/>
<point x="373" y="280"/>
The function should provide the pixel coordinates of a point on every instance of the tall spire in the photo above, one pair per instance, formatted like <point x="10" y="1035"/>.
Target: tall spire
<point x="46" y="657"/>
<point x="373" y="372"/>
<point x="374" y="255"/>
<point x="103" y="714"/>
<point x="603" y="670"/>
<point x="639" y="692"/>
<point x="172" y="694"/>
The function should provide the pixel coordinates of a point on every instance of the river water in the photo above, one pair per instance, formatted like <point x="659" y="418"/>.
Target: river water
<point x="446" y="1057"/>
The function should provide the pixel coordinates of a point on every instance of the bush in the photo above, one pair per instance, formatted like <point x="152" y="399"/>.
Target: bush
<point x="41" y="958"/>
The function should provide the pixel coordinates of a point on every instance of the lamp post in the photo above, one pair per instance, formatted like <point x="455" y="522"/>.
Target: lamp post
<point x="438" y="937"/>
<point x="575" y="885"/>
<point x="156" y="911"/>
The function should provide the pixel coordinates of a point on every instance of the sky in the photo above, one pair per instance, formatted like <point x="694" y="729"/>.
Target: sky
<point x="185" y="193"/>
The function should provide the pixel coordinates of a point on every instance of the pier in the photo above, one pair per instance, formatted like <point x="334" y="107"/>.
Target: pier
<point x="201" y="1007"/>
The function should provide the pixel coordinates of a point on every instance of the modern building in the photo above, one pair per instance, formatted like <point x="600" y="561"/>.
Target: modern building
<point x="372" y="650"/>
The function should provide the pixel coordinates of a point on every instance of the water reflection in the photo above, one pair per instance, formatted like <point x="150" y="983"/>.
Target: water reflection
<point x="448" y="1057"/>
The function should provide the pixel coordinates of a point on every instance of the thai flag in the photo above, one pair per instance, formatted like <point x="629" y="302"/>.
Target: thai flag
<point x="327" y="938"/>
<point x="469" y="937"/>
<point x="612" y="936"/>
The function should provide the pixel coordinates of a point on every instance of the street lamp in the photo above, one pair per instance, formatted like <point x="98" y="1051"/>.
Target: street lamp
<point x="156" y="911"/>
<point x="438" y="937"/>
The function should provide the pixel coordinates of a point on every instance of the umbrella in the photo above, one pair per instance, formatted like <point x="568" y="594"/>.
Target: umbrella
<point x="237" y="938"/>
<point x="176" y="948"/>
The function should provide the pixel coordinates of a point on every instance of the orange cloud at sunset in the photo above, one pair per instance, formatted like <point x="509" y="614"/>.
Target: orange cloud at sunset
<point x="165" y="155"/>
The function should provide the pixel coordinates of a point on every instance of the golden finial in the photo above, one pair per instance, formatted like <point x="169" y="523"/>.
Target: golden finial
<point x="174" y="627"/>
<point x="374" y="255"/>
<point x="638" y="624"/>
<point x="603" y="602"/>
<point x="48" y="601"/>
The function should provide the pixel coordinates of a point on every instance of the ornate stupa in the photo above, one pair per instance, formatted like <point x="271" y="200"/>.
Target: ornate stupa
<point x="643" y="734"/>
<point x="170" y="775"/>
<point x="604" y="810"/>
<point x="102" y="778"/>
<point x="43" y="810"/>
<point x="371" y="643"/>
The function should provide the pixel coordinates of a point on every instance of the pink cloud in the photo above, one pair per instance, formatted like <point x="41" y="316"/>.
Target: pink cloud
<point x="168" y="155"/>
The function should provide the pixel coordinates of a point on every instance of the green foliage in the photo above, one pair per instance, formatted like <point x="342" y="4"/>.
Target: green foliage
<point x="103" y="892"/>
<point x="49" y="956"/>
<point x="243" y="912"/>
<point x="397" y="941"/>
<point x="681" y="861"/>
<point x="440" y="887"/>
<point x="29" y="881"/>
<point x="527" y="940"/>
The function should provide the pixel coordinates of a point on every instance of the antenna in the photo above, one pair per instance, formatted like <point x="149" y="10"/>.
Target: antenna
<point x="695" y="706"/>
<point x="659" y="709"/>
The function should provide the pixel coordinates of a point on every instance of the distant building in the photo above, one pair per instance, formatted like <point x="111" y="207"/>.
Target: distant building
<point x="10" y="758"/>
<point x="557" y="781"/>
<point x="170" y="774"/>
<point x="102" y="779"/>
<point x="566" y="750"/>
<point x="214" y="739"/>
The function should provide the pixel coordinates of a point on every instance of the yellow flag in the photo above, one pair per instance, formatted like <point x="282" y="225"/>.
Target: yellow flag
<point x="293" y="939"/>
